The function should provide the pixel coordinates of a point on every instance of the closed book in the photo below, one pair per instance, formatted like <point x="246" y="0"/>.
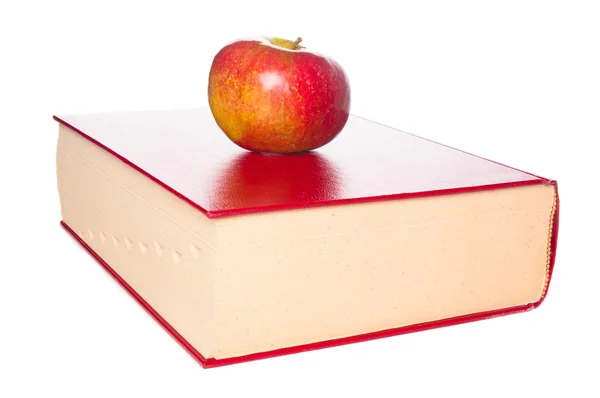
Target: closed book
<point x="243" y="256"/>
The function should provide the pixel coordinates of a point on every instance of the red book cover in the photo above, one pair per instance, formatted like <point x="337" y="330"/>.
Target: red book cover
<point x="185" y="152"/>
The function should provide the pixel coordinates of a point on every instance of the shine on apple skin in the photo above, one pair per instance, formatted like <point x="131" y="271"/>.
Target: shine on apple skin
<point x="272" y="95"/>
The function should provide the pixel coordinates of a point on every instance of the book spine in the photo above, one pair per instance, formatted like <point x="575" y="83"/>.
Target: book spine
<point x="552" y="243"/>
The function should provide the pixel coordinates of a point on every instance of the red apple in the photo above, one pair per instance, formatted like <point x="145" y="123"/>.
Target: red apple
<point x="273" y="95"/>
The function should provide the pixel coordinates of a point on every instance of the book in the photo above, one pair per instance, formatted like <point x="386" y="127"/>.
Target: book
<point x="243" y="256"/>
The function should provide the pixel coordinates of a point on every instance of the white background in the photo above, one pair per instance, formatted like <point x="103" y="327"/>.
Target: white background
<point x="517" y="82"/>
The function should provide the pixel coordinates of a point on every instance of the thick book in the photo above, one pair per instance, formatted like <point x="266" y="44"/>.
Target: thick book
<point x="242" y="256"/>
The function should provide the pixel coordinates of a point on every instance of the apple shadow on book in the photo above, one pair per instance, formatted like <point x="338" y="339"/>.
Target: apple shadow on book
<point x="254" y="180"/>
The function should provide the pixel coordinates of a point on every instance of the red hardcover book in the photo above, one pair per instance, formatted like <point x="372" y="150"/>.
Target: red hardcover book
<point x="243" y="256"/>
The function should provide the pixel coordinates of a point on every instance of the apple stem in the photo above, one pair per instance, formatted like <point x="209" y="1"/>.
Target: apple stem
<point x="295" y="45"/>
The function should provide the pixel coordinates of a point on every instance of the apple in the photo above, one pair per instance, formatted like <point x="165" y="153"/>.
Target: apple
<point x="273" y="95"/>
